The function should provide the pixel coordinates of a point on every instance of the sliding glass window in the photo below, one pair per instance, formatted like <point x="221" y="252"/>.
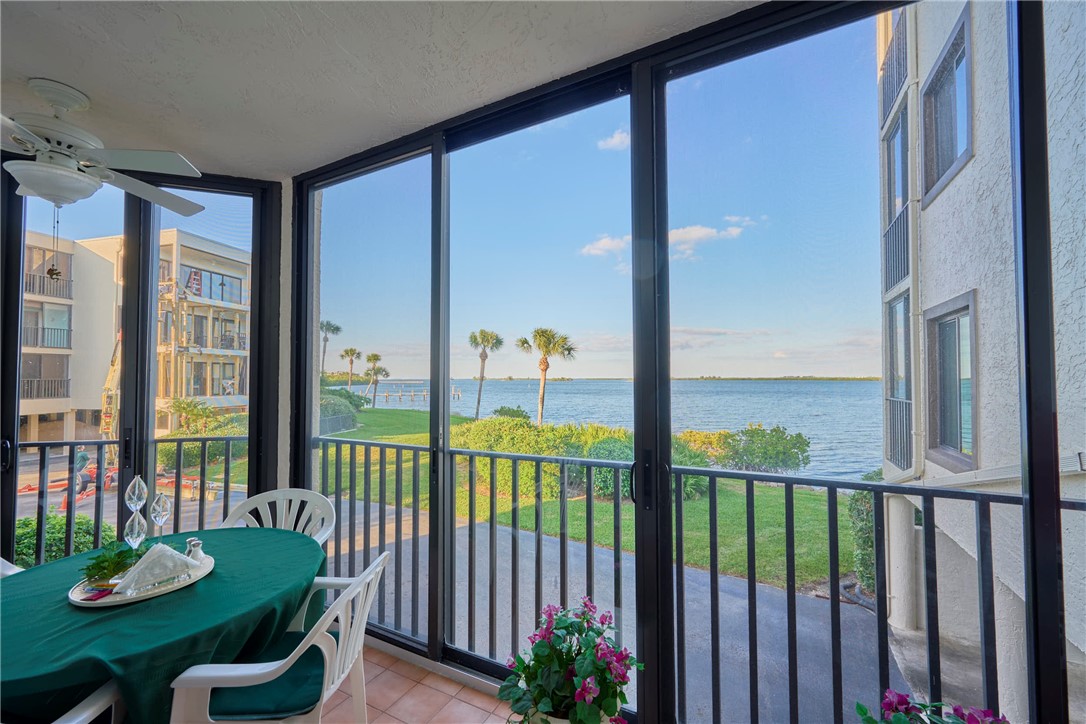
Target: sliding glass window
<point x="542" y="359"/>
<point x="372" y="359"/>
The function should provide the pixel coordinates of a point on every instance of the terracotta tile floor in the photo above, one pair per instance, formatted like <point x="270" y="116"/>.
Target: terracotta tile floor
<point x="399" y="692"/>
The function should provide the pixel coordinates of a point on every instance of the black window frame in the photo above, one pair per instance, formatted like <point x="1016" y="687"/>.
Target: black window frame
<point x="891" y="367"/>
<point x="762" y="27"/>
<point x="943" y="68"/>
<point x="893" y="173"/>
<point x="937" y="451"/>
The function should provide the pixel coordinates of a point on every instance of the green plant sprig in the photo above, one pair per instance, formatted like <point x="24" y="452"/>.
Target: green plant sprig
<point x="115" y="558"/>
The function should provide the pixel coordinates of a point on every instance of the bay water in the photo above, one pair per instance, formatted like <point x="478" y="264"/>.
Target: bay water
<point x="841" y="418"/>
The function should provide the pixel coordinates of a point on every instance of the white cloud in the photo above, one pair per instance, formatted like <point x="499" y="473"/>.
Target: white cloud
<point x="686" y="240"/>
<point x="606" y="244"/>
<point x="780" y="354"/>
<point x="741" y="220"/>
<point x="618" y="141"/>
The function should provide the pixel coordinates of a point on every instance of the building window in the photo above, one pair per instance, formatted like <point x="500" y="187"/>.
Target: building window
<point x="899" y="379"/>
<point x="952" y="383"/>
<point x="897" y="168"/>
<point x="947" y="112"/>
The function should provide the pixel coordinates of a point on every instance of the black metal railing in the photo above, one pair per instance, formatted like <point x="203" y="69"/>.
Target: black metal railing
<point x="811" y="685"/>
<point x="514" y="551"/>
<point x="32" y="389"/>
<point x="895" y="242"/>
<point x="899" y="432"/>
<point x="54" y="337"/>
<point x="894" y="68"/>
<point x="52" y="481"/>
<point x="43" y="285"/>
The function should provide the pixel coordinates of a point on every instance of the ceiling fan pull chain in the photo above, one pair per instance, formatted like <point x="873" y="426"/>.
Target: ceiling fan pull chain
<point x="53" y="272"/>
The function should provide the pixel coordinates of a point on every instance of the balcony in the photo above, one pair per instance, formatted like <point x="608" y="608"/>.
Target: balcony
<point x="51" y="337"/>
<point x="235" y="342"/>
<point x="895" y="68"/>
<point x="46" y="287"/>
<point x="555" y="537"/>
<point x="45" y="389"/>
<point x="895" y="244"/>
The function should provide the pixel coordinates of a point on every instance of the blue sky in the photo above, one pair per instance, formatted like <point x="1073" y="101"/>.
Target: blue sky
<point x="773" y="207"/>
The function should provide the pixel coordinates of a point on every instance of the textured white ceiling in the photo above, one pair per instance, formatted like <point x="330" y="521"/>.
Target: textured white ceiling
<point x="270" y="89"/>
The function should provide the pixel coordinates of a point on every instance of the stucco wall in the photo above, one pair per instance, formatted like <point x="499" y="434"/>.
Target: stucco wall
<point x="966" y="242"/>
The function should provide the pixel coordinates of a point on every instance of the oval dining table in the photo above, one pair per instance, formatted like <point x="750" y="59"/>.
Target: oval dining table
<point x="53" y="653"/>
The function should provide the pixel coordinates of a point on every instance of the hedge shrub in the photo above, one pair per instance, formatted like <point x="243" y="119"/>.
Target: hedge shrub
<point x="861" y="514"/>
<point x="514" y="435"/>
<point x="222" y="426"/>
<point x="55" y="525"/>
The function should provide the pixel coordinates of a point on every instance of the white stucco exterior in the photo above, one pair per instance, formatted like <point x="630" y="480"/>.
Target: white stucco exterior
<point x="962" y="242"/>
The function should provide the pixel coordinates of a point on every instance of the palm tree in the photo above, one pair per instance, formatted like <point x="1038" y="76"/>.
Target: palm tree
<point x="192" y="415"/>
<point x="350" y="354"/>
<point x="547" y="343"/>
<point x="372" y="360"/>
<point x="484" y="340"/>
<point x="373" y="375"/>
<point x="327" y="329"/>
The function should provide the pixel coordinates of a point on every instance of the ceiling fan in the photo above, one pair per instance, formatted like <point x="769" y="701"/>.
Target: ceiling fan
<point x="70" y="164"/>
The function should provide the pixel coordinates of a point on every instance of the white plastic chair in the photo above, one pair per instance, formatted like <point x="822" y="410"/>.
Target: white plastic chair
<point x="297" y="509"/>
<point x="6" y="568"/>
<point x="340" y="656"/>
<point x="86" y="711"/>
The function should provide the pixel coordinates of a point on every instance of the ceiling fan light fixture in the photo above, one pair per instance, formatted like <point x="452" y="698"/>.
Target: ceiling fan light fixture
<point x="58" y="185"/>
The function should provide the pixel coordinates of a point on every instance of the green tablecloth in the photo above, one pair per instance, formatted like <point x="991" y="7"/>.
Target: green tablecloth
<point x="53" y="654"/>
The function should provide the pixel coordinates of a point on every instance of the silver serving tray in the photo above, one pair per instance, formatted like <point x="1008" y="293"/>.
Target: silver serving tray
<point x="79" y="590"/>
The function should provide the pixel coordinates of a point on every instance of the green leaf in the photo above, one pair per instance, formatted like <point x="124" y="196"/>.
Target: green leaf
<point x="899" y="718"/>
<point x="509" y="690"/>
<point x="522" y="705"/>
<point x="586" y="664"/>
<point x="545" y="706"/>
<point x="609" y="706"/>
<point x="541" y="649"/>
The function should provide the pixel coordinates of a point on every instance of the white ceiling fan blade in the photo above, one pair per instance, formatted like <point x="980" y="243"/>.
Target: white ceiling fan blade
<point x="154" y="194"/>
<point x="13" y="130"/>
<point x="166" y="162"/>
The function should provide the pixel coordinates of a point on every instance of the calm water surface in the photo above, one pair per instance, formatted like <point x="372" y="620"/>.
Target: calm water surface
<point x="842" y="419"/>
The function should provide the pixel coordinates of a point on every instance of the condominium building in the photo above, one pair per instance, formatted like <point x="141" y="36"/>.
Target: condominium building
<point x="69" y="327"/>
<point x="70" y="340"/>
<point x="952" y="397"/>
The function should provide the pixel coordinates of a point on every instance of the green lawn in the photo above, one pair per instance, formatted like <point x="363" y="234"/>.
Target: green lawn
<point x="811" y="535"/>
<point x="384" y="425"/>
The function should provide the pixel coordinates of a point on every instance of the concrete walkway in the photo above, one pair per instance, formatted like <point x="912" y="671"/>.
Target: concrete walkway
<point x="859" y="648"/>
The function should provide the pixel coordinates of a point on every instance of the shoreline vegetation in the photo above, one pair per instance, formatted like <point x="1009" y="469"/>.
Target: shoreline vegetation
<point x="810" y="506"/>
<point x="341" y="377"/>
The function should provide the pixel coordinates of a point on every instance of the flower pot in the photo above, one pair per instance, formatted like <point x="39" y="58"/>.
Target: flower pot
<point x="538" y="718"/>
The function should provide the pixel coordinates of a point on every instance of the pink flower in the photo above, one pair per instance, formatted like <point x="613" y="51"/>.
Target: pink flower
<point x="604" y="652"/>
<point x="895" y="702"/>
<point x="616" y="719"/>
<point x="607" y="618"/>
<point x="977" y="716"/>
<point x="587" y="691"/>
<point x="510" y="663"/>
<point x="588" y="606"/>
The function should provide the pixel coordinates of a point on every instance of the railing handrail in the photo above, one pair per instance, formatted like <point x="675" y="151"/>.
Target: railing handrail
<point x="23" y="445"/>
<point x="586" y="462"/>
<point x="888" y="488"/>
<point x="318" y="440"/>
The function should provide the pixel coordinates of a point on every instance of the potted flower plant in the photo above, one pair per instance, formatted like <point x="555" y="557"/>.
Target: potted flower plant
<point x="898" y="708"/>
<point x="572" y="672"/>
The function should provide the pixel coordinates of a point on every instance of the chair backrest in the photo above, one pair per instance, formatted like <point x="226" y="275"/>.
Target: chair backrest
<point x="6" y="568"/>
<point x="350" y="611"/>
<point x="304" y="511"/>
